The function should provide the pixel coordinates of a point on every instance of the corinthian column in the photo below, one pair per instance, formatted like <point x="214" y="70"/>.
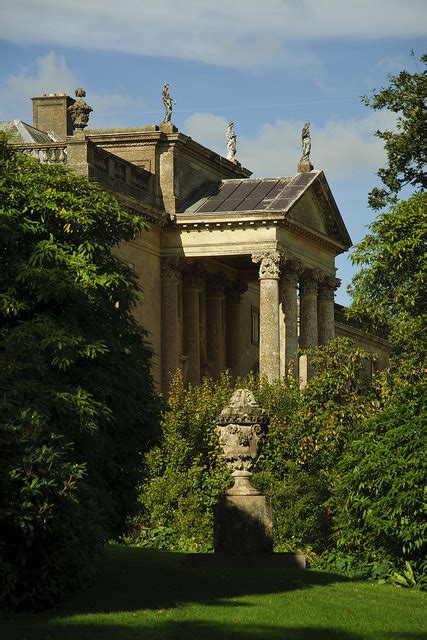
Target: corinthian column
<point x="215" y="322"/>
<point x="326" y="308"/>
<point x="233" y="311"/>
<point x="289" y="299"/>
<point x="171" y="323"/>
<point x="308" y="319"/>
<point x="193" y="280"/>
<point x="269" y="355"/>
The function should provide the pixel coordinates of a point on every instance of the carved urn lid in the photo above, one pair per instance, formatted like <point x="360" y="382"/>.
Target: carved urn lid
<point x="243" y="409"/>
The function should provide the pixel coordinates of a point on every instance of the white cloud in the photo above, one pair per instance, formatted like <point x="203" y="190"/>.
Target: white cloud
<point x="243" y="33"/>
<point x="51" y="74"/>
<point x="342" y="148"/>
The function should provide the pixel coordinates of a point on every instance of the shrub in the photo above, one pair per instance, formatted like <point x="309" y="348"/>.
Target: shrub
<point x="76" y="394"/>
<point x="378" y="500"/>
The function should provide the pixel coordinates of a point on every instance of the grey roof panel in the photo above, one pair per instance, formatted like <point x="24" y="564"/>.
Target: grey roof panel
<point x="226" y="189"/>
<point x="266" y="194"/>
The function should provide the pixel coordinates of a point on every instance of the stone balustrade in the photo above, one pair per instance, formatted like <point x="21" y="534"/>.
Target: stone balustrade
<point x="46" y="153"/>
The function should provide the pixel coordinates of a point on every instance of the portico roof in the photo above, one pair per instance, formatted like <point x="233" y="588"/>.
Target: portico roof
<point x="247" y="200"/>
<point x="250" y="194"/>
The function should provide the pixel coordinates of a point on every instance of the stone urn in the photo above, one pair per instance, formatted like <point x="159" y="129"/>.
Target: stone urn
<point x="241" y="430"/>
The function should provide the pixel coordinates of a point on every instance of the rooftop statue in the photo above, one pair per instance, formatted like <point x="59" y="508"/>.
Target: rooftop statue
<point x="231" y="142"/>
<point x="168" y="103"/>
<point x="306" y="141"/>
<point x="80" y="110"/>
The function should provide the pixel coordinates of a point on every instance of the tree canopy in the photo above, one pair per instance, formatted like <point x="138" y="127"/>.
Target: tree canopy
<point x="76" y="395"/>
<point x="406" y="147"/>
<point x="389" y="289"/>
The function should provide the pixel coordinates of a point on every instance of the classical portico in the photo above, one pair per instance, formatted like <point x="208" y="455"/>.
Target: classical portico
<point x="274" y="261"/>
<point x="236" y="272"/>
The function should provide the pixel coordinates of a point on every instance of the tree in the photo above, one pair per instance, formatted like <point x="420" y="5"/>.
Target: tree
<point x="76" y="394"/>
<point x="406" y="148"/>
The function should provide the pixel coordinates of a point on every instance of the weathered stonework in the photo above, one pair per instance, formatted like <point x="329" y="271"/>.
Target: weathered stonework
<point x="243" y="520"/>
<point x="232" y="298"/>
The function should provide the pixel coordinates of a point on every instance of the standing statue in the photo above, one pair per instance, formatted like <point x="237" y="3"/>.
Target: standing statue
<point x="231" y="142"/>
<point x="306" y="141"/>
<point x="80" y="110"/>
<point x="168" y="102"/>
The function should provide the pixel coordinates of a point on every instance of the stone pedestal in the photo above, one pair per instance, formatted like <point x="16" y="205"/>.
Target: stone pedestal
<point x="304" y="166"/>
<point x="243" y="524"/>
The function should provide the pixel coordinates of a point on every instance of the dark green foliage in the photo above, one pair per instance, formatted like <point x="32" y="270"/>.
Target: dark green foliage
<point x="390" y="287"/>
<point x="307" y="432"/>
<point x="380" y="484"/>
<point x="406" y="147"/>
<point x="77" y="401"/>
<point x="184" y="474"/>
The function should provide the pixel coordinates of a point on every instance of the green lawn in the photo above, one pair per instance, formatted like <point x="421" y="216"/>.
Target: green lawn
<point x="149" y="595"/>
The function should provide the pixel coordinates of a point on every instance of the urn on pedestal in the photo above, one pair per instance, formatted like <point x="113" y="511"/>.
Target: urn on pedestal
<point x="241" y="430"/>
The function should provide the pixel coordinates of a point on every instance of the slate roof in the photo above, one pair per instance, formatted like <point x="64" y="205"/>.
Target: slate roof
<point x="249" y="194"/>
<point x="21" y="133"/>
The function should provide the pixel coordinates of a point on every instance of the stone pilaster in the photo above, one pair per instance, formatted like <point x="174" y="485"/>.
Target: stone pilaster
<point x="171" y="323"/>
<point x="325" y="308"/>
<point x="269" y="346"/>
<point x="233" y="310"/>
<point x="308" y="320"/>
<point x="289" y="329"/>
<point x="193" y="281"/>
<point x="215" y="322"/>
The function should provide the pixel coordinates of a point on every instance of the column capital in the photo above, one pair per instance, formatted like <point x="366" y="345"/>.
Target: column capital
<point x="309" y="281"/>
<point x="291" y="272"/>
<point x="327" y="287"/>
<point x="216" y="284"/>
<point x="171" y="268"/>
<point x="235" y="290"/>
<point x="193" y="275"/>
<point x="269" y="264"/>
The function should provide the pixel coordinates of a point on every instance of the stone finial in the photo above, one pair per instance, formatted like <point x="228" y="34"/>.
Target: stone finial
<point x="168" y="103"/>
<point x="80" y="110"/>
<point x="304" y="165"/>
<point x="241" y="430"/>
<point x="231" y="142"/>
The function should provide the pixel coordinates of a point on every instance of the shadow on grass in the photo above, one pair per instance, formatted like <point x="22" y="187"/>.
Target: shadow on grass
<point x="196" y="630"/>
<point x="134" y="579"/>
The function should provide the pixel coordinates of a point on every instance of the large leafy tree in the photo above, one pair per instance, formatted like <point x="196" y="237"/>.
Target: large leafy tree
<point x="406" y="146"/>
<point x="76" y="395"/>
<point x="389" y="288"/>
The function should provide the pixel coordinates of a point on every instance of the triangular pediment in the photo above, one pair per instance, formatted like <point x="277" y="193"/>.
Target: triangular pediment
<point x="317" y="211"/>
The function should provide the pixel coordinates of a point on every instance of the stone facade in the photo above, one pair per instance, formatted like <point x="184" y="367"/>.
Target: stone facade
<point x="237" y="272"/>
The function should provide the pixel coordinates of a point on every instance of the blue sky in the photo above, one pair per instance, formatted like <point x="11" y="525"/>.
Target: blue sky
<point x="267" y="65"/>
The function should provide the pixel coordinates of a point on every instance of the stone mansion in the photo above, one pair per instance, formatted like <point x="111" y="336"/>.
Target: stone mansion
<point x="237" y="272"/>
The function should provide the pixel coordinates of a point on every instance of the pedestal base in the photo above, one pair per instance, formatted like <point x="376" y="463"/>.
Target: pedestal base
<point x="255" y="560"/>
<point x="243" y="525"/>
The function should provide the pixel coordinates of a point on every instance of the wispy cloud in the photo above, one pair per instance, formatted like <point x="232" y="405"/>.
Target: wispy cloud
<point x="343" y="148"/>
<point x="240" y="34"/>
<point x="51" y="74"/>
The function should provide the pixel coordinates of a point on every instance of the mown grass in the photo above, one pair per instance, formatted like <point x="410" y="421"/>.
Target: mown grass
<point x="146" y="595"/>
